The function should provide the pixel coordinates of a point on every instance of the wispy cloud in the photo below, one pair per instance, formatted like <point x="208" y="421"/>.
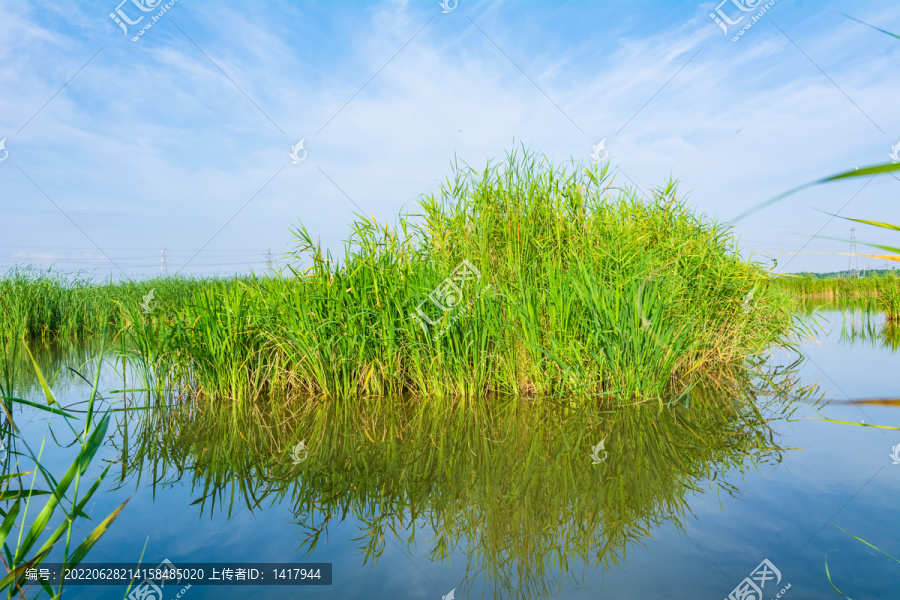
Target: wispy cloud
<point x="151" y="146"/>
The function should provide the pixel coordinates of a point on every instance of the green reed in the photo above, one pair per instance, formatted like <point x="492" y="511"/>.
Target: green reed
<point x="889" y="300"/>
<point x="836" y="287"/>
<point x="880" y="293"/>
<point x="581" y="287"/>
<point x="40" y="305"/>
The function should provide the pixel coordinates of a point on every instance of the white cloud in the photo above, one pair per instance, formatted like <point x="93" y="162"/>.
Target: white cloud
<point x="154" y="129"/>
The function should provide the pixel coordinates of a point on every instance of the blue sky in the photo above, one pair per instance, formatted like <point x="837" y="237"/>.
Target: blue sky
<point x="181" y="139"/>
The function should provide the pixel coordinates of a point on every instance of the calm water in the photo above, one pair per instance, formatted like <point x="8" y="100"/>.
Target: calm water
<point x="687" y="508"/>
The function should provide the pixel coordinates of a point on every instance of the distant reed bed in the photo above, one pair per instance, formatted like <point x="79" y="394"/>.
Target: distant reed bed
<point x="43" y="304"/>
<point x="880" y="293"/>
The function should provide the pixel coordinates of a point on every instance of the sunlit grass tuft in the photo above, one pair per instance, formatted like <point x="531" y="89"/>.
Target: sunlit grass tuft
<point x="584" y="288"/>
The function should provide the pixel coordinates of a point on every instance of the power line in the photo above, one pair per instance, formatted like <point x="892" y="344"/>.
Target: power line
<point x="250" y="250"/>
<point x="290" y="219"/>
<point x="146" y="264"/>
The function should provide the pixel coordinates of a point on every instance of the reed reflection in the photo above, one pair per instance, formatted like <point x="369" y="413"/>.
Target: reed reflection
<point x="509" y="484"/>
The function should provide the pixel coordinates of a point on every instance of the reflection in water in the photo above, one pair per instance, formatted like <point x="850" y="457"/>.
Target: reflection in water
<point x="862" y="328"/>
<point x="861" y="322"/>
<point x="60" y="362"/>
<point x="509" y="483"/>
<point x="809" y="306"/>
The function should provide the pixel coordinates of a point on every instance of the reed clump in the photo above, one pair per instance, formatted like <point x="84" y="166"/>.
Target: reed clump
<point x="521" y="279"/>
<point x="888" y="301"/>
<point x="836" y="287"/>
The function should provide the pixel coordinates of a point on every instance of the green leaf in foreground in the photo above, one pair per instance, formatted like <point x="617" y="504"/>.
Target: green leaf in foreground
<point x="868" y="544"/>
<point x="95" y="535"/>
<point x="873" y="170"/>
<point x="857" y="424"/>
<point x="49" y="394"/>
<point x="17" y="561"/>
<point x="872" y="26"/>
<point x="873" y="547"/>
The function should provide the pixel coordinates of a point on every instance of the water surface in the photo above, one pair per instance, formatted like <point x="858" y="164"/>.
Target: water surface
<point x="505" y="501"/>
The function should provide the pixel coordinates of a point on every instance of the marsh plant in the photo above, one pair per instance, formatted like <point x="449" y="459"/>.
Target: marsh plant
<point x="879" y="293"/>
<point x="594" y="291"/>
<point x="38" y="305"/>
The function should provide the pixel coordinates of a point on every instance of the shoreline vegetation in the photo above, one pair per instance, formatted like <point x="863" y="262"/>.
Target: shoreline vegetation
<point x="522" y="279"/>
<point x="878" y="293"/>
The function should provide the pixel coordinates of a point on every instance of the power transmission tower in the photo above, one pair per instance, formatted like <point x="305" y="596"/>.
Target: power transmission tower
<point x="853" y="267"/>
<point x="268" y="260"/>
<point x="163" y="266"/>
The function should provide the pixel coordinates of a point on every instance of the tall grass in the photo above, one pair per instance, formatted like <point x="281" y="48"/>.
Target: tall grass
<point x="889" y="301"/>
<point x="879" y="293"/>
<point x="584" y="287"/>
<point x="42" y="305"/>
<point x="836" y="287"/>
